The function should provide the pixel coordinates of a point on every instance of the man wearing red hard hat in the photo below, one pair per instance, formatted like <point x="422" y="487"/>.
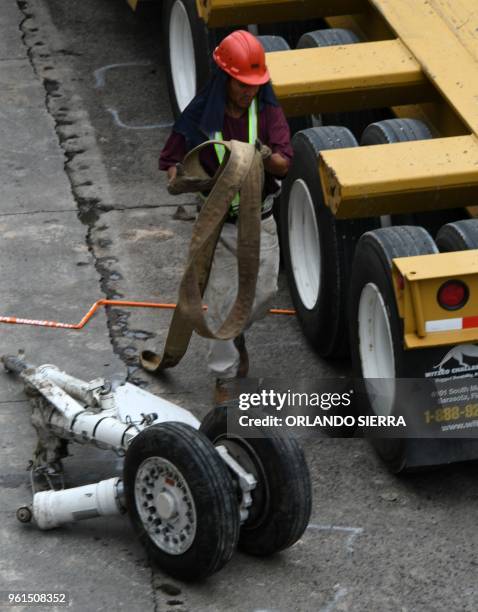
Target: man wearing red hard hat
<point x="238" y="102"/>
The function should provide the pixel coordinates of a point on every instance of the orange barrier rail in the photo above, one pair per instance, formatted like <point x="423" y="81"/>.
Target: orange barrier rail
<point x="96" y="305"/>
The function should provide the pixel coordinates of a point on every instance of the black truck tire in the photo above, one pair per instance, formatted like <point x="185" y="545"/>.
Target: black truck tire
<point x="458" y="236"/>
<point x="188" y="46"/>
<point x="272" y="44"/>
<point x="355" y="121"/>
<point x="376" y="330"/>
<point x="318" y="249"/>
<point x="405" y="130"/>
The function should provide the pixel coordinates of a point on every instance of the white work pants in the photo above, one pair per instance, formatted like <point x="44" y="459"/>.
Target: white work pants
<point x="221" y="292"/>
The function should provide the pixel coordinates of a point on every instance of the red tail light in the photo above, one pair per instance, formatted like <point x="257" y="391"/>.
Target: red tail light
<point x="453" y="295"/>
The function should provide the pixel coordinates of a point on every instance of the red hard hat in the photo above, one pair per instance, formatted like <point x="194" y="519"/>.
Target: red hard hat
<point x="242" y="56"/>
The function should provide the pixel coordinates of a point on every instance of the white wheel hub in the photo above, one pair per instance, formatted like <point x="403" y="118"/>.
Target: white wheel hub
<point x="376" y="349"/>
<point x="304" y="244"/>
<point x="181" y="55"/>
<point x="165" y="505"/>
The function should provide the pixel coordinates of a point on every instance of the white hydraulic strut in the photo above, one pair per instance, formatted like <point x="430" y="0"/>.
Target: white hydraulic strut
<point x="92" y="412"/>
<point x="68" y="408"/>
<point x="51" y="509"/>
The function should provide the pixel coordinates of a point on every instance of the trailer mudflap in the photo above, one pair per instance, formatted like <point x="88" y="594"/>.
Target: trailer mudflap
<point x="417" y="282"/>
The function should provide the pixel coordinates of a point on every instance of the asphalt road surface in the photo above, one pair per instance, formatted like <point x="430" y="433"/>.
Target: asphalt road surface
<point x="84" y="214"/>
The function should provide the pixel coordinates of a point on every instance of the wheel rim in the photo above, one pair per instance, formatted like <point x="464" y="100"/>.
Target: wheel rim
<point x="181" y="56"/>
<point x="304" y="244"/>
<point x="165" y="505"/>
<point x="376" y="350"/>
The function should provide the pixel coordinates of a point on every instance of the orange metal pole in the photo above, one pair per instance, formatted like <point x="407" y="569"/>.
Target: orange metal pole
<point x="104" y="302"/>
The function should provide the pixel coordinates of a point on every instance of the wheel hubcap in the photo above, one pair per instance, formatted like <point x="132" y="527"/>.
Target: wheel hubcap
<point x="165" y="505"/>
<point x="304" y="244"/>
<point x="181" y="56"/>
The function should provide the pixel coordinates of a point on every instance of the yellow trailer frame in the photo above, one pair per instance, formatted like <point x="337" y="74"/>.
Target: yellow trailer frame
<point x="421" y="52"/>
<point x="420" y="59"/>
<point x="444" y="41"/>
<point x="218" y="13"/>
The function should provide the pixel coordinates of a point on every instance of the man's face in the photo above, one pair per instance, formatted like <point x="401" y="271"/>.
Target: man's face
<point x="241" y="94"/>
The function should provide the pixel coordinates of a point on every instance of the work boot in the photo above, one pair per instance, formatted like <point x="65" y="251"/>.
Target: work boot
<point x="224" y="391"/>
<point x="229" y="389"/>
<point x="240" y="344"/>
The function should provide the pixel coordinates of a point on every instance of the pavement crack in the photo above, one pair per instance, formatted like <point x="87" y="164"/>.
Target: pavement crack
<point x="118" y="207"/>
<point x="156" y="602"/>
<point x="76" y="138"/>
<point x="153" y="206"/>
<point x="39" y="212"/>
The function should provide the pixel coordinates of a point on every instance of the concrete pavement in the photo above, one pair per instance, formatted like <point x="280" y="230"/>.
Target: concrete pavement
<point x="48" y="271"/>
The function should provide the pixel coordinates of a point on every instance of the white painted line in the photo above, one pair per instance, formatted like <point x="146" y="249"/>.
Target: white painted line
<point x="353" y="532"/>
<point x="340" y="592"/>
<point x="101" y="72"/>
<point x="114" y="113"/>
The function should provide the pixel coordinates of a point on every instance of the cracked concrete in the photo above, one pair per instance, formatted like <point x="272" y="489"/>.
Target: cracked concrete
<point x="48" y="272"/>
<point x="82" y="160"/>
<point x="90" y="188"/>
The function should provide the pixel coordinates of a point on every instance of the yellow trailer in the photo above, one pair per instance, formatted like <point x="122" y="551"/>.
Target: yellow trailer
<point x="378" y="233"/>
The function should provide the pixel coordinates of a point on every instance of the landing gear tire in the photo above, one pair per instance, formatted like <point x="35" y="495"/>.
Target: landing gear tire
<point x="181" y="500"/>
<point x="355" y="121"/>
<point x="458" y="236"/>
<point x="281" y="500"/>
<point x="406" y="130"/>
<point x="376" y="330"/>
<point x="318" y="249"/>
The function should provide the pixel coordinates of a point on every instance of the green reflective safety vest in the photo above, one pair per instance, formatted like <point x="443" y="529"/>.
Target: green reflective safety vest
<point x="253" y="130"/>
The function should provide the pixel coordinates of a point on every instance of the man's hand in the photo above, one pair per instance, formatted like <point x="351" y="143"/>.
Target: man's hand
<point x="274" y="163"/>
<point x="263" y="149"/>
<point x="180" y="182"/>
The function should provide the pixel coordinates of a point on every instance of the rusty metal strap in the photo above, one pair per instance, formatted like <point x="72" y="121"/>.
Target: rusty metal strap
<point x="241" y="170"/>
